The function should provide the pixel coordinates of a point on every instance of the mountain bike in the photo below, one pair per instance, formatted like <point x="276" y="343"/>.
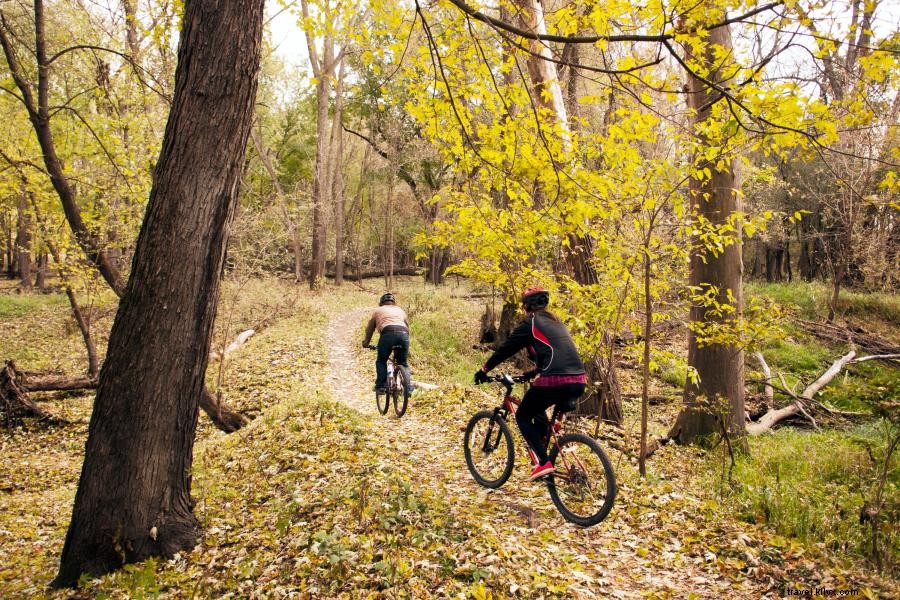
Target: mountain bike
<point x="397" y="387"/>
<point x="583" y="485"/>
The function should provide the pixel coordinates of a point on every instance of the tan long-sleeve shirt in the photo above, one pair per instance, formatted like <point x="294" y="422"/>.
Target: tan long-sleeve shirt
<point x="385" y="316"/>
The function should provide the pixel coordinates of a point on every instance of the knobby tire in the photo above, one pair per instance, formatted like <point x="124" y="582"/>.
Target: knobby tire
<point x="497" y="448"/>
<point x="400" y="392"/>
<point x="584" y="475"/>
<point x="383" y="401"/>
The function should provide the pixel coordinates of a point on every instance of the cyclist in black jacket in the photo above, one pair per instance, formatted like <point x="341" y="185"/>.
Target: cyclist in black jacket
<point x="560" y="372"/>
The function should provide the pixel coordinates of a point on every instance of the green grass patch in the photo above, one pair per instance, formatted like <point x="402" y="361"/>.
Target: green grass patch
<point x="799" y="357"/>
<point x="674" y="372"/>
<point x="810" y="300"/>
<point x="19" y="306"/>
<point x="811" y="486"/>
<point x="445" y="350"/>
<point x="863" y="386"/>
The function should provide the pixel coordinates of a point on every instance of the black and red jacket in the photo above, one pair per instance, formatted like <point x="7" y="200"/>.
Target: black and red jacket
<point x="548" y="343"/>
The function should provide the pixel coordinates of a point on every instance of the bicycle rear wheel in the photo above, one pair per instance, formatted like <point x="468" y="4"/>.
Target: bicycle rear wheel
<point x="583" y="487"/>
<point x="383" y="401"/>
<point x="400" y="392"/>
<point x="488" y="447"/>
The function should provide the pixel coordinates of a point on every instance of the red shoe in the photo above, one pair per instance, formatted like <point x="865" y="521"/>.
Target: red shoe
<point x="542" y="471"/>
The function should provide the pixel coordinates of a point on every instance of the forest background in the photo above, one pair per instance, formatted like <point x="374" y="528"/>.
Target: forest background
<point x="708" y="191"/>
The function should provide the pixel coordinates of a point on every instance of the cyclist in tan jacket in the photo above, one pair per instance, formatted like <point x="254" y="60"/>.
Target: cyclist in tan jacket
<point x="392" y="325"/>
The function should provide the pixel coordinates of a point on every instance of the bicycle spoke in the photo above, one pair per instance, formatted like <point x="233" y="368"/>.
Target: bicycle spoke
<point x="488" y="449"/>
<point x="580" y="485"/>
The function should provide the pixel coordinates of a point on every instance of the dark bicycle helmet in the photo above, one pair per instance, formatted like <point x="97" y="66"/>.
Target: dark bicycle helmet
<point x="535" y="298"/>
<point x="386" y="298"/>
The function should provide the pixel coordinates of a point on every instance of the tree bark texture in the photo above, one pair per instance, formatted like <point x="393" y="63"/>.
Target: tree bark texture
<point x="320" y="185"/>
<point x="547" y="91"/>
<point x="603" y="401"/>
<point x="720" y="368"/>
<point x="508" y="315"/>
<point x="133" y="498"/>
<point x="40" y="276"/>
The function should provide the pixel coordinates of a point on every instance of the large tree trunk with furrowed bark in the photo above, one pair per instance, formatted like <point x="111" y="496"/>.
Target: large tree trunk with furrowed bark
<point x="720" y="368"/>
<point x="133" y="498"/>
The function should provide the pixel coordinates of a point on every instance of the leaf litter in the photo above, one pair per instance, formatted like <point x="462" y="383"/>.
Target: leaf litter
<point x="322" y="497"/>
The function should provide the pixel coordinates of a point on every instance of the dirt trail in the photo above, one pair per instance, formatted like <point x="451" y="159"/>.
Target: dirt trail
<point x="417" y="441"/>
<point x="612" y="556"/>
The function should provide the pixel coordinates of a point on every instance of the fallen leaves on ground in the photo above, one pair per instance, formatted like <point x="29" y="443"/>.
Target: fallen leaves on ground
<point x="321" y="497"/>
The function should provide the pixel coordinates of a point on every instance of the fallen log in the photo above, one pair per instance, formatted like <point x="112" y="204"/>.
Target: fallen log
<point x="774" y="416"/>
<point x="35" y="382"/>
<point x="875" y="345"/>
<point x="15" y="404"/>
<point x="239" y="341"/>
<point x="219" y="413"/>
<point x="371" y="274"/>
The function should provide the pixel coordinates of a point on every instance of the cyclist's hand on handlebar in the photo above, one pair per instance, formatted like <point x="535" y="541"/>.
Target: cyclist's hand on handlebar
<point x="527" y="376"/>
<point x="481" y="377"/>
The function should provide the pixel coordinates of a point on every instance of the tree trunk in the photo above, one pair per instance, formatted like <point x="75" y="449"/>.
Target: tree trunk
<point x="320" y="185"/>
<point x="337" y="176"/>
<point x="40" y="278"/>
<point x="720" y="368"/>
<point x="85" y="329"/>
<point x="835" y="290"/>
<point x="23" y="241"/>
<point x="131" y="22"/>
<point x="437" y="264"/>
<point x="323" y="70"/>
<point x="645" y="366"/>
<point x="7" y="242"/>
<point x="604" y="401"/>
<point x="133" y="498"/>
<point x="507" y="322"/>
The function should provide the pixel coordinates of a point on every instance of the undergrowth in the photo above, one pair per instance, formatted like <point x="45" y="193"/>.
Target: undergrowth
<point x="812" y="486"/>
<point x="879" y="310"/>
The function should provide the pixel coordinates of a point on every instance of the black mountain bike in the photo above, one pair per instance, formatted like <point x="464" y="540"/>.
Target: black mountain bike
<point x="583" y="485"/>
<point x="397" y="389"/>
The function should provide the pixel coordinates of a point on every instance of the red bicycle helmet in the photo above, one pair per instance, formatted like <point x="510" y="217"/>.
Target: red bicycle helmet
<point x="535" y="298"/>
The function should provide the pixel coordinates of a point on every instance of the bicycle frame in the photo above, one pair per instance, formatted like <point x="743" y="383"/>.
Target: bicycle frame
<point x="509" y="407"/>
<point x="391" y="366"/>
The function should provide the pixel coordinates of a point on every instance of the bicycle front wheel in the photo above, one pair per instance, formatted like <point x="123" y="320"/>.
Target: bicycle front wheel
<point x="488" y="447"/>
<point x="583" y="486"/>
<point x="400" y="392"/>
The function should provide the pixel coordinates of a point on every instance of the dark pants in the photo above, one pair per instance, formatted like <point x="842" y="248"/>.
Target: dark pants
<point x="532" y="413"/>
<point x="391" y="337"/>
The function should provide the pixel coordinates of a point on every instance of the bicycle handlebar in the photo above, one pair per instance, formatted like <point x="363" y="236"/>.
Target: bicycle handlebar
<point x="507" y="379"/>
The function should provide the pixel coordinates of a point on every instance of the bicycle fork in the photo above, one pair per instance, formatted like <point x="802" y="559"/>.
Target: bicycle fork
<point x="491" y="444"/>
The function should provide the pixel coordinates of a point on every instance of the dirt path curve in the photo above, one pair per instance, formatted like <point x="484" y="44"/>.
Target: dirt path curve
<point x="416" y="441"/>
<point x="345" y="375"/>
<point x="612" y="554"/>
